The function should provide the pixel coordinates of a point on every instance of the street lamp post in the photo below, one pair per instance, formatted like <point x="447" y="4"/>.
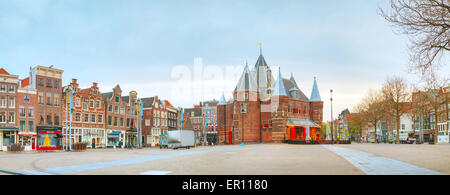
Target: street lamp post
<point x="332" y="128"/>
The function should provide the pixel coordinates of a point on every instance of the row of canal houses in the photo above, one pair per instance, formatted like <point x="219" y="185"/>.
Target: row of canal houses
<point x="34" y="112"/>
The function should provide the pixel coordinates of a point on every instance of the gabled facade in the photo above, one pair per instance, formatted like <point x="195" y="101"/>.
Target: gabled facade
<point x="88" y="118"/>
<point x="193" y="120"/>
<point x="121" y="118"/>
<point x="158" y="117"/>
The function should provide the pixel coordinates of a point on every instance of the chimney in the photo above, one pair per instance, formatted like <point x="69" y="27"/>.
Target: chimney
<point x="94" y="84"/>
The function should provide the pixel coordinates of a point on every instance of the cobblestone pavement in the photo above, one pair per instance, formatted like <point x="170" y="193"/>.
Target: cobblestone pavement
<point x="263" y="159"/>
<point x="377" y="165"/>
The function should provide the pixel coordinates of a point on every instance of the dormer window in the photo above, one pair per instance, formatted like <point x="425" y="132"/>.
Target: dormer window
<point x="293" y="94"/>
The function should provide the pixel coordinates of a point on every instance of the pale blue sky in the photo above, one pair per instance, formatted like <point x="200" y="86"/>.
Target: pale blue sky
<point x="137" y="43"/>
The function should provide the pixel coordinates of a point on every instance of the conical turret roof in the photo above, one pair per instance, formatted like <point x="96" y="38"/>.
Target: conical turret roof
<point x="279" y="88"/>
<point x="315" y="95"/>
<point x="222" y="100"/>
<point x="246" y="82"/>
<point x="261" y="61"/>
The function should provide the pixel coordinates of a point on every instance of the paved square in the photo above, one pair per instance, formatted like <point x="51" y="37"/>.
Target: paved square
<point x="260" y="159"/>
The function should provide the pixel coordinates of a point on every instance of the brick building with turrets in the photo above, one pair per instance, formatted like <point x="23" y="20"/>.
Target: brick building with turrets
<point x="267" y="110"/>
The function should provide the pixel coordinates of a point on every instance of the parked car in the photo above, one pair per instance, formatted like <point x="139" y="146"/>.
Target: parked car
<point x="411" y="140"/>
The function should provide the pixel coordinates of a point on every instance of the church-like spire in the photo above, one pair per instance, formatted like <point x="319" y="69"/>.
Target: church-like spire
<point x="246" y="82"/>
<point x="261" y="61"/>
<point x="315" y="95"/>
<point x="222" y="100"/>
<point x="279" y="89"/>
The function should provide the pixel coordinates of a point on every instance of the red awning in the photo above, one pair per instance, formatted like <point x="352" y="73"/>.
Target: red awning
<point x="27" y="134"/>
<point x="50" y="132"/>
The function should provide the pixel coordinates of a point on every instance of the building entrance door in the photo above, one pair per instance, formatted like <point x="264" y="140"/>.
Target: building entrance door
<point x="230" y="137"/>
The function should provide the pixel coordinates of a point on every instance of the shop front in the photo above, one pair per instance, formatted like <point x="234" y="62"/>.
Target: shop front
<point x="115" y="139"/>
<point x="8" y="136"/>
<point x="95" y="138"/>
<point x="49" y="138"/>
<point x="302" y="130"/>
<point x="131" y="137"/>
<point x="156" y="132"/>
<point x="28" y="140"/>
<point x="211" y="137"/>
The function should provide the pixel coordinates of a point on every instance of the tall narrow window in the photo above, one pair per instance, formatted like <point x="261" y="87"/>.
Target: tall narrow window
<point x="12" y="117"/>
<point x="49" y="99"/>
<point x="22" y="111"/>
<point x="56" y="84"/>
<point x="243" y="108"/>
<point x="3" y="101"/>
<point x="49" y="83"/>
<point x="2" y="88"/>
<point x="56" y="120"/>
<point x="12" y="89"/>
<point x="26" y="99"/>
<point x="86" y="118"/>
<point x="49" y="120"/>
<point x="12" y="102"/>
<point x="56" y="99"/>
<point x="2" y="117"/>
<point x="41" y="97"/>
<point x="100" y="118"/>
<point x="41" y="82"/>
<point x="30" y="126"/>
<point x="77" y="102"/>
<point x="78" y="117"/>
<point x="22" y="126"/>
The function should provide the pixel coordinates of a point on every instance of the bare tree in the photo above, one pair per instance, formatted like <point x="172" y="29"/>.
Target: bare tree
<point x="395" y="94"/>
<point x="373" y="109"/>
<point x="427" y="23"/>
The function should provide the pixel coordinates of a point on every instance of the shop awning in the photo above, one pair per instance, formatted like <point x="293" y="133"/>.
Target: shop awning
<point x="301" y="122"/>
<point x="9" y="129"/>
<point x="27" y="134"/>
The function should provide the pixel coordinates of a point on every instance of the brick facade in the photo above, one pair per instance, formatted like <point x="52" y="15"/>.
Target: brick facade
<point x="258" y="114"/>
<point x="88" y="117"/>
